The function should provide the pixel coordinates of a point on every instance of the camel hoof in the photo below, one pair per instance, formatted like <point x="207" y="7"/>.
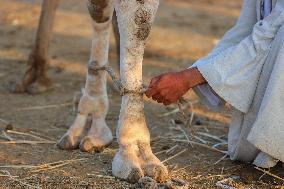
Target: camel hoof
<point x="96" y="140"/>
<point x="15" y="87"/>
<point x="148" y="183"/>
<point x="157" y="171"/>
<point x="37" y="88"/>
<point x="135" y="175"/>
<point x="87" y="145"/>
<point x="68" y="143"/>
<point x="136" y="162"/>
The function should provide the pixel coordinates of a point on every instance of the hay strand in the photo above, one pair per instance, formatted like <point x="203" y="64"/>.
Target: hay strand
<point x="202" y="145"/>
<point x="44" y="107"/>
<point x="27" y="134"/>
<point x="269" y="173"/>
<point x="27" y="142"/>
<point x="174" y="156"/>
<point x="221" y="159"/>
<point x="45" y="166"/>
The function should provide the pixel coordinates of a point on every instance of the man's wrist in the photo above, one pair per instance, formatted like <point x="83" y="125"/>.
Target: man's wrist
<point x="193" y="77"/>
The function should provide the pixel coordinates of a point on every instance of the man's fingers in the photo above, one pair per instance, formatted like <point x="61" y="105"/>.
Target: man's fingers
<point x="151" y="91"/>
<point x="153" y="81"/>
<point x="166" y="103"/>
<point x="153" y="87"/>
<point x="156" y="97"/>
<point x="160" y="99"/>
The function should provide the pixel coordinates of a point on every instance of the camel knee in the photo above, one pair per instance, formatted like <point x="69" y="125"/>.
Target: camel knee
<point x="100" y="10"/>
<point x="95" y="105"/>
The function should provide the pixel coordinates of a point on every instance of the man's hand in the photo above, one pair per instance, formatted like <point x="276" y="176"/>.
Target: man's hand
<point x="168" y="88"/>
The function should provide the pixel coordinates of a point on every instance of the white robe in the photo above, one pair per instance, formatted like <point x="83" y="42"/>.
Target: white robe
<point x="246" y="69"/>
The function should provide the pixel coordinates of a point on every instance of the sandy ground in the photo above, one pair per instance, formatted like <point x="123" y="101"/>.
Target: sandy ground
<point x="184" y="31"/>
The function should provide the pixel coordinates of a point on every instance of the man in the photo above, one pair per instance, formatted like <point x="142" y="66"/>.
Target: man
<point x="246" y="69"/>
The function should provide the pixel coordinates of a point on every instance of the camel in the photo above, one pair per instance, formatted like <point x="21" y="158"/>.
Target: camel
<point x="134" y="158"/>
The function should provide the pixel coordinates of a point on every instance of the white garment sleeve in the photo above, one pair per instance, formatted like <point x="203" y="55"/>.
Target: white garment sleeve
<point x="242" y="29"/>
<point x="232" y="69"/>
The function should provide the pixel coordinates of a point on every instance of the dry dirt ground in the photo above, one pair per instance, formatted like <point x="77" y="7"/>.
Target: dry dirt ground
<point x="184" y="31"/>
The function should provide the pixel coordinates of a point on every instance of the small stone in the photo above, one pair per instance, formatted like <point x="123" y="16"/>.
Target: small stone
<point x="179" y="182"/>
<point x="178" y="122"/>
<point x="198" y="122"/>
<point x="148" y="183"/>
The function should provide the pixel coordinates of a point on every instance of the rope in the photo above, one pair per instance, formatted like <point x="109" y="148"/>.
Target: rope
<point x="93" y="69"/>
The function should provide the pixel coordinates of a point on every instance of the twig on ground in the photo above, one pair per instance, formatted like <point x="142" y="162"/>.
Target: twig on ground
<point x="5" y="136"/>
<point x="60" y="162"/>
<point x="169" y="113"/>
<point x="50" y="168"/>
<point x="14" y="141"/>
<point x="269" y="173"/>
<point x="44" y="167"/>
<point x="220" y="144"/>
<point x="191" y="119"/>
<point x="171" y="149"/>
<point x="160" y="152"/>
<point x="222" y="170"/>
<point x="222" y="184"/>
<point x="174" y="156"/>
<point x="181" y="168"/>
<point x="221" y="159"/>
<point x="4" y="127"/>
<point x="220" y="175"/>
<point x="105" y="176"/>
<point x="189" y="122"/>
<point x="45" y="107"/>
<point x="211" y="136"/>
<point x="202" y="145"/>
<point x="18" y="166"/>
<point x="173" y="167"/>
<point x="100" y="176"/>
<point x="27" y="134"/>
<point x="26" y="142"/>
<point x="183" y="132"/>
<point x="155" y="139"/>
<point x="201" y="140"/>
<point x="42" y="136"/>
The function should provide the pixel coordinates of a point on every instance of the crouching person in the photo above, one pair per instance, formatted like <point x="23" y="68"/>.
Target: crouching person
<point x="246" y="69"/>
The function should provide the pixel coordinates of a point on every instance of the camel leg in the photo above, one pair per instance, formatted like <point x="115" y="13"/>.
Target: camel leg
<point x="35" y="79"/>
<point x="116" y="36"/>
<point x="135" y="158"/>
<point x="94" y="100"/>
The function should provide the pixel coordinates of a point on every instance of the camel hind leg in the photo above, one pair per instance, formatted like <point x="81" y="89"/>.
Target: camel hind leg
<point x="94" y="101"/>
<point x="35" y="79"/>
